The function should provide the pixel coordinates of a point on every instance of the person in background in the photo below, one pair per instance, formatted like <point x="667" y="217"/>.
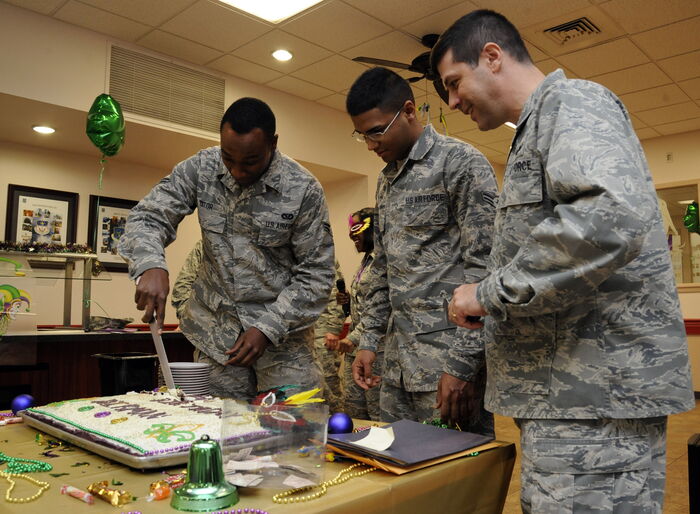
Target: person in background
<point x="326" y="335"/>
<point x="586" y="344"/>
<point x="182" y="289"/>
<point x="435" y="208"/>
<point x="360" y="403"/>
<point x="267" y="255"/>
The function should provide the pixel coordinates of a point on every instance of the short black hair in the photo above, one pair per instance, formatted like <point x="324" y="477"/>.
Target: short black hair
<point x="378" y="87"/>
<point x="366" y="212"/>
<point x="247" y="113"/>
<point x="468" y="35"/>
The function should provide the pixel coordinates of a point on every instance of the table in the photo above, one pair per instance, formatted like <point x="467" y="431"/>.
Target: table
<point x="468" y="485"/>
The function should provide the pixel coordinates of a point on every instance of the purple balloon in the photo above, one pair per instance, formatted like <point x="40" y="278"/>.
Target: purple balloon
<point x="339" y="423"/>
<point x="21" y="402"/>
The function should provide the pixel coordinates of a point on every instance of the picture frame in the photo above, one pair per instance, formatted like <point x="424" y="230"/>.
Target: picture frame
<point x="37" y="215"/>
<point x="106" y="221"/>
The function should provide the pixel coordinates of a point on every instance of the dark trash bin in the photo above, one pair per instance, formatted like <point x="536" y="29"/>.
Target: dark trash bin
<point x="128" y="371"/>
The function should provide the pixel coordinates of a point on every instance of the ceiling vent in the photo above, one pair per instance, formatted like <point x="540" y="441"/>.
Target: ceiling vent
<point x="577" y="29"/>
<point x="160" y="89"/>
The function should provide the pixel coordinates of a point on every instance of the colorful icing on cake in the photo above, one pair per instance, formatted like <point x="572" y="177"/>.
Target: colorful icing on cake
<point x="144" y="424"/>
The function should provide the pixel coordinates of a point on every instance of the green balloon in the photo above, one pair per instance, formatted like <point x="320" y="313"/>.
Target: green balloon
<point x="691" y="220"/>
<point x="105" y="125"/>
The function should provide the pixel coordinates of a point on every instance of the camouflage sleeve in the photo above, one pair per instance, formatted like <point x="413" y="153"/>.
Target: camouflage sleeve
<point x="472" y="188"/>
<point x="332" y="318"/>
<point x="373" y="324"/>
<point x="299" y="304"/>
<point x="592" y="165"/>
<point x="152" y="224"/>
<point x="183" y="285"/>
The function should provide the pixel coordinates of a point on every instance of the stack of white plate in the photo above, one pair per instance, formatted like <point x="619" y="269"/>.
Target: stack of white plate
<point x="191" y="377"/>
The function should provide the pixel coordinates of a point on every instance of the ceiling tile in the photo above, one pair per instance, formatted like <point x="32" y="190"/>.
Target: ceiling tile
<point x="669" y="114"/>
<point x="654" y="97"/>
<point x="604" y="58"/>
<point x="637" y="123"/>
<point x="439" y="20"/>
<point x="178" y="47"/>
<point x="646" y="133"/>
<point x="153" y="12"/>
<point x="536" y="54"/>
<point x="523" y="14"/>
<point x="322" y="26"/>
<point x="101" y="21"/>
<point x="244" y="69"/>
<point x="691" y="87"/>
<point x="40" y="6"/>
<point x="679" y="127"/>
<point x="675" y="39"/>
<point x="260" y="51"/>
<point x="398" y="13"/>
<point x="215" y="25"/>
<point x="336" y="101"/>
<point x="549" y="65"/>
<point x="336" y="72"/>
<point x="633" y="79"/>
<point x="637" y="16"/>
<point x="489" y="137"/>
<point x="458" y="122"/>
<point x="300" y="88"/>
<point x="682" y="67"/>
<point x="394" y="46"/>
<point x="502" y="147"/>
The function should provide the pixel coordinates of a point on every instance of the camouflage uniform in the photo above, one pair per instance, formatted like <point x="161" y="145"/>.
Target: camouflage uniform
<point x="188" y="273"/>
<point x="330" y="321"/>
<point x="584" y="318"/>
<point x="359" y="403"/>
<point x="267" y="262"/>
<point x="432" y="233"/>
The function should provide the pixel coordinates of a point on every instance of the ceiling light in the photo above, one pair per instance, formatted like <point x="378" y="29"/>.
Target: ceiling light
<point x="273" y="11"/>
<point x="511" y="125"/>
<point x="281" y="55"/>
<point x="42" y="129"/>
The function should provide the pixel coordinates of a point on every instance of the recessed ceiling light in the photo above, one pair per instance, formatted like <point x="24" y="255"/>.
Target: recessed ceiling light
<point x="42" y="129"/>
<point x="281" y="55"/>
<point x="273" y="11"/>
<point x="511" y="125"/>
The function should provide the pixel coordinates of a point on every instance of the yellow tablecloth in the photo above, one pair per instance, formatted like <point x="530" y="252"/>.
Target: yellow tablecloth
<point x="468" y="485"/>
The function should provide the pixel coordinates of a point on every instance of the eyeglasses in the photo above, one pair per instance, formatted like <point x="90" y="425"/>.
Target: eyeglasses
<point x="375" y="135"/>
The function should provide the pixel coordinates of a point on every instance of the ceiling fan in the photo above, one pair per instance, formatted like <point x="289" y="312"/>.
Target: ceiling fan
<point x="421" y="65"/>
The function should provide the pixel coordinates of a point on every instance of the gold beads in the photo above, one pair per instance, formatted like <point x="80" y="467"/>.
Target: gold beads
<point x="344" y="475"/>
<point x="43" y="486"/>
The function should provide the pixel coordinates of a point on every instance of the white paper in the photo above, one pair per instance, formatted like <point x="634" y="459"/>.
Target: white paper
<point x="378" y="439"/>
<point x="250" y="464"/>
<point x="244" y="480"/>
<point x="295" y="481"/>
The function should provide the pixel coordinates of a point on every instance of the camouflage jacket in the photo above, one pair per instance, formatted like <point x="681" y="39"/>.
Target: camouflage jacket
<point x="432" y="234"/>
<point x="267" y="249"/>
<point x="182" y="289"/>
<point x="332" y="318"/>
<point x="584" y="313"/>
<point x="359" y="290"/>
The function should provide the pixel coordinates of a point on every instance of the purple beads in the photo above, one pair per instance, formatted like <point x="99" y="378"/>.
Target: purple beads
<point x="246" y="510"/>
<point x="102" y="414"/>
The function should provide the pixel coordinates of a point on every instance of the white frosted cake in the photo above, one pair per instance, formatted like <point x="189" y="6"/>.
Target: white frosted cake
<point x="145" y="424"/>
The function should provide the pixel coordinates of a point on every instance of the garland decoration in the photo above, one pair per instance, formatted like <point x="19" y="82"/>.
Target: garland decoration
<point x="11" y="246"/>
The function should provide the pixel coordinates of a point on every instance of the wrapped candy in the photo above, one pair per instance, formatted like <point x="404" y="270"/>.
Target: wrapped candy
<point x="160" y="490"/>
<point x="77" y="493"/>
<point x="115" y="497"/>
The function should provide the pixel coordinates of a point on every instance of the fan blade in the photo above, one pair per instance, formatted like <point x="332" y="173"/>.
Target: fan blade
<point x="415" y="79"/>
<point x="382" y="62"/>
<point x="441" y="91"/>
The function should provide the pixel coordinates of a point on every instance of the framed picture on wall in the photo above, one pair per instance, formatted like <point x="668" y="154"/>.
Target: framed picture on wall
<point x="36" y="215"/>
<point x="106" y="224"/>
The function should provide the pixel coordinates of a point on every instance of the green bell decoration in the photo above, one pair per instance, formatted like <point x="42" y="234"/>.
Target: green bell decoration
<point x="105" y="127"/>
<point x="691" y="220"/>
<point x="206" y="489"/>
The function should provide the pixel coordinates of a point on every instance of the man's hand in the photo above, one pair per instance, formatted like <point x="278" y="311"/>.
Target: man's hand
<point x="331" y="341"/>
<point x="464" y="309"/>
<point x="249" y="347"/>
<point x="151" y="295"/>
<point x="457" y="400"/>
<point x="345" y="345"/>
<point x="362" y="370"/>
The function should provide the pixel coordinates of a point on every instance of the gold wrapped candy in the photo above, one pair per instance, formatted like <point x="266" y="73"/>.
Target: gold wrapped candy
<point x="115" y="497"/>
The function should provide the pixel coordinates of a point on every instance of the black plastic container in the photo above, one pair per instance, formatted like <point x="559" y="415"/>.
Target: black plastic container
<point x="124" y="372"/>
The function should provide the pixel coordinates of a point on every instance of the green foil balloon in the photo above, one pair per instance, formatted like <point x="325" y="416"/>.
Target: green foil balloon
<point x="105" y="125"/>
<point x="691" y="220"/>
